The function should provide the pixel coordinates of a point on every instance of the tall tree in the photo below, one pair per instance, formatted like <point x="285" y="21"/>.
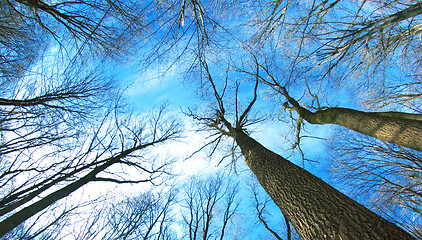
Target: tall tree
<point x="395" y="127"/>
<point x="400" y="128"/>
<point x="208" y="204"/>
<point x="75" y="177"/>
<point x="359" y="52"/>
<point x="145" y="216"/>
<point x="315" y="209"/>
<point x="60" y="122"/>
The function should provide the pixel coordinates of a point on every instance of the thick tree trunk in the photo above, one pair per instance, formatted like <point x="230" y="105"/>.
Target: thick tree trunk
<point x="399" y="128"/>
<point x="315" y="209"/>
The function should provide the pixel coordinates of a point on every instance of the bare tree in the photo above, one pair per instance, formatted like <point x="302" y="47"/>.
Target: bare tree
<point x="42" y="120"/>
<point x="230" y="207"/>
<point x="47" y="150"/>
<point x="315" y="209"/>
<point x="396" y="127"/>
<point x="389" y="29"/>
<point x="98" y="29"/>
<point x="146" y="216"/>
<point x="208" y="206"/>
<point x="20" y="44"/>
<point x="57" y="131"/>
<point x="324" y="53"/>
<point x="60" y="121"/>
<point x="367" y="36"/>
<point x="118" y="146"/>
<point x="100" y="25"/>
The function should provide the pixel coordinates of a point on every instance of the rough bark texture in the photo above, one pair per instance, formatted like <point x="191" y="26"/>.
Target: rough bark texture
<point x="315" y="209"/>
<point x="389" y="127"/>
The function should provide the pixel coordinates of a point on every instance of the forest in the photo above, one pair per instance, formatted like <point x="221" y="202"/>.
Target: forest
<point x="210" y="119"/>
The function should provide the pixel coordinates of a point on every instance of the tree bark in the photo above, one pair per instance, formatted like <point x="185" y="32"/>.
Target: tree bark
<point x="399" y="128"/>
<point x="315" y="209"/>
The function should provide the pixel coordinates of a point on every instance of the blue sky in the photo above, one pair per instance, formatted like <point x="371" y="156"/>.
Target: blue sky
<point x="150" y="88"/>
<point x="158" y="84"/>
<point x="168" y="82"/>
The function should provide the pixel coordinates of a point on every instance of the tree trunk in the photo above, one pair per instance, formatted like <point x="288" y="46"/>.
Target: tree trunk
<point x="315" y="209"/>
<point x="16" y="219"/>
<point x="22" y="215"/>
<point x="19" y="217"/>
<point x="399" y="128"/>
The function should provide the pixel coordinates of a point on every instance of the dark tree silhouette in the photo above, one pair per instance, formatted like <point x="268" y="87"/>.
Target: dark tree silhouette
<point x="145" y="216"/>
<point x="85" y="168"/>
<point x="207" y="206"/>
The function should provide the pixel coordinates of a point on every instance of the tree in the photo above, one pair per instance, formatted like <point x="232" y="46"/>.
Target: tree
<point x="102" y="26"/>
<point x="145" y="216"/>
<point x="207" y="206"/>
<point x="361" y="48"/>
<point x="372" y="34"/>
<point x="60" y="122"/>
<point x="395" y="127"/>
<point x="57" y="129"/>
<point x="89" y="165"/>
<point x="23" y="231"/>
<point x="315" y="209"/>
<point x="20" y="44"/>
<point x="359" y="36"/>
<point x="98" y="29"/>
<point x="365" y="50"/>
<point x="356" y="52"/>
